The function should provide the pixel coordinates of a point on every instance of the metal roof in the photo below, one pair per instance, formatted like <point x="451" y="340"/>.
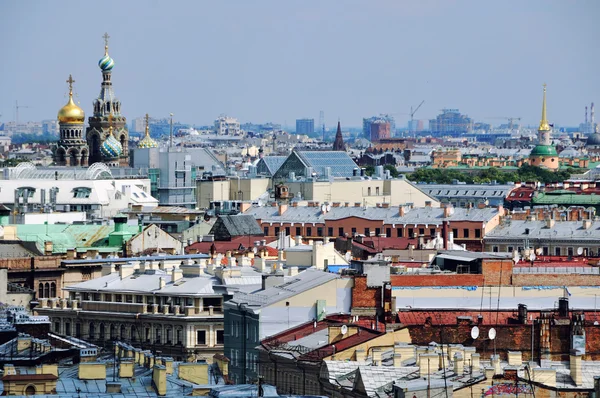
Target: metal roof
<point x="291" y="286"/>
<point x="271" y="163"/>
<point x="565" y="199"/>
<point x="467" y="191"/>
<point x="561" y="230"/>
<point x="390" y="215"/>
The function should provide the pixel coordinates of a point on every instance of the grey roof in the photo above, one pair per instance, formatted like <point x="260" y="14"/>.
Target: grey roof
<point x="562" y="230"/>
<point x="340" y="163"/>
<point x="239" y="225"/>
<point x="148" y="282"/>
<point x="270" y="164"/>
<point x="291" y="286"/>
<point x="421" y="215"/>
<point x="471" y="191"/>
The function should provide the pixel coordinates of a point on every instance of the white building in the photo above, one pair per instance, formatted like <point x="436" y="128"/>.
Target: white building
<point x="225" y="125"/>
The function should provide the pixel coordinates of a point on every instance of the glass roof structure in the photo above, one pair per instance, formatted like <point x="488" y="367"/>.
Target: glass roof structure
<point x="339" y="162"/>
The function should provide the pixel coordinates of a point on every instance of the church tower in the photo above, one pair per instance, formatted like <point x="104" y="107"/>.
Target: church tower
<point x="71" y="149"/>
<point x="106" y="107"/>
<point x="544" y="154"/>
<point x="338" y="143"/>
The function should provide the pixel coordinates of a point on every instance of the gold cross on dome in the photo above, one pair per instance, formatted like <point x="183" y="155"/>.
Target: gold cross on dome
<point x="70" y="81"/>
<point x="106" y="37"/>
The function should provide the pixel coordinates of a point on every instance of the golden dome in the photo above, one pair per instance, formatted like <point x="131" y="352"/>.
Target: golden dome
<point x="71" y="113"/>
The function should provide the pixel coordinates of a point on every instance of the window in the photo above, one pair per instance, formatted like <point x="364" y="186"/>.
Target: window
<point x="369" y="191"/>
<point x="266" y="231"/>
<point x="276" y="231"/>
<point x="478" y="233"/>
<point x="81" y="193"/>
<point x="298" y="231"/>
<point x="465" y="233"/>
<point x="287" y="231"/>
<point x="388" y="232"/>
<point x="570" y="251"/>
<point x="400" y="232"/>
<point x="376" y="190"/>
<point x="367" y="232"/>
<point x="455" y="232"/>
<point x="57" y="327"/>
<point x="557" y="251"/>
<point x="319" y="231"/>
<point x="353" y="231"/>
<point x="545" y="251"/>
<point x="340" y="231"/>
<point x="200" y="337"/>
<point x="495" y="249"/>
<point x="421" y="231"/>
<point x="308" y="231"/>
<point x="139" y="299"/>
<point x="377" y="231"/>
<point x="410" y="233"/>
<point x="220" y="337"/>
<point x="432" y="232"/>
<point x="128" y="298"/>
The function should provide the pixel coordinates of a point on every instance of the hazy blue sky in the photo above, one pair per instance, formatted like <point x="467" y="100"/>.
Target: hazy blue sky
<point x="282" y="60"/>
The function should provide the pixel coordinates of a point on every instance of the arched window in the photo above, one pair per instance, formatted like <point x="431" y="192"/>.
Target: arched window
<point x="46" y="289"/>
<point x="41" y="290"/>
<point x="30" y="390"/>
<point x="123" y="332"/>
<point x="113" y="332"/>
<point x="92" y="330"/>
<point x="132" y="333"/>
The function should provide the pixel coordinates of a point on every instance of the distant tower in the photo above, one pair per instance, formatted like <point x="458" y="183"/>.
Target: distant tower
<point x="544" y="154"/>
<point x="592" y="121"/>
<point x="104" y="106"/>
<point x="71" y="149"/>
<point x="322" y="123"/>
<point x="338" y="144"/>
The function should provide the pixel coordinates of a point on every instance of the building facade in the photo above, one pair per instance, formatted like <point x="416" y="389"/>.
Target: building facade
<point x="305" y="126"/>
<point x="225" y="125"/>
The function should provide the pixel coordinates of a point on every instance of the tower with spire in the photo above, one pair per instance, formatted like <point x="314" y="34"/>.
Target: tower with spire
<point x="107" y="106"/>
<point x="338" y="143"/>
<point x="71" y="149"/>
<point x="544" y="154"/>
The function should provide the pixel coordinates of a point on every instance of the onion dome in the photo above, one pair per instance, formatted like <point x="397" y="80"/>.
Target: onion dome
<point x="111" y="147"/>
<point x="147" y="141"/>
<point x="71" y="113"/>
<point x="106" y="63"/>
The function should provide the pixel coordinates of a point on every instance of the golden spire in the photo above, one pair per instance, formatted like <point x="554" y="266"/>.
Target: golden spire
<point x="106" y="37"/>
<point x="544" y="126"/>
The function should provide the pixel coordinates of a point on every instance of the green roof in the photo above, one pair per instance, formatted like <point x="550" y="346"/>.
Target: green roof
<point x="560" y="198"/>
<point x="70" y="236"/>
<point x="544" y="150"/>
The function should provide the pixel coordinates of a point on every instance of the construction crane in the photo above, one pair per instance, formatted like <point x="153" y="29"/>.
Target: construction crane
<point x="511" y="120"/>
<point x="17" y="107"/>
<point x="412" y="114"/>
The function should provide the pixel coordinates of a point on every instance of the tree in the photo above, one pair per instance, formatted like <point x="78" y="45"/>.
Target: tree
<point x="393" y="170"/>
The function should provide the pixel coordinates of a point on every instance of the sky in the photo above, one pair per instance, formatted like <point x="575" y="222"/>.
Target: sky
<point x="279" y="61"/>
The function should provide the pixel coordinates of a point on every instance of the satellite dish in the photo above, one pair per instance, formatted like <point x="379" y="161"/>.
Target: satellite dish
<point x="492" y="334"/>
<point x="579" y="251"/>
<point x="532" y="257"/>
<point x="474" y="332"/>
<point x="344" y="329"/>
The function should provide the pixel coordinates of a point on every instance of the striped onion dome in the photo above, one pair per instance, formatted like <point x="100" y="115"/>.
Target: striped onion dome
<point x="106" y="63"/>
<point x="111" y="147"/>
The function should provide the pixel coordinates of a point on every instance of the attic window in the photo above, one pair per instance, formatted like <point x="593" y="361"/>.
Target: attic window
<point x="136" y="195"/>
<point x="82" y="192"/>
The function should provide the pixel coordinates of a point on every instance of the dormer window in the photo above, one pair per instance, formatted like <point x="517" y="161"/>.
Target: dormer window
<point x="82" y="192"/>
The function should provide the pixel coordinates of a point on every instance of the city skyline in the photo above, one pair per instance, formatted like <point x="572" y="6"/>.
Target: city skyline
<point x="281" y="62"/>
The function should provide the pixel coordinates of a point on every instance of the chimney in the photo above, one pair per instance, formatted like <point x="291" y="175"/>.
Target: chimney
<point x="125" y="270"/>
<point x="48" y="248"/>
<point x="587" y="224"/>
<point x="108" y="268"/>
<point x="459" y="363"/>
<point x="176" y="274"/>
<point x="575" y="366"/>
<point x="495" y="359"/>
<point x="515" y="358"/>
<point x="293" y="271"/>
<point x="244" y="206"/>
<point x="549" y="222"/>
<point x="475" y="363"/>
<point x="298" y="239"/>
<point x="428" y="203"/>
<point x="448" y="211"/>
<point x="282" y="209"/>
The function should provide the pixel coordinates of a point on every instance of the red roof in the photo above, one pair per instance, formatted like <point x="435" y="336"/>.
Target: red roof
<point x="237" y="243"/>
<point x="417" y="317"/>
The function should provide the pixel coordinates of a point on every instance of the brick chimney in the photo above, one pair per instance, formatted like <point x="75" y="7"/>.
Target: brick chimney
<point x="401" y="211"/>
<point x="282" y="208"/>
